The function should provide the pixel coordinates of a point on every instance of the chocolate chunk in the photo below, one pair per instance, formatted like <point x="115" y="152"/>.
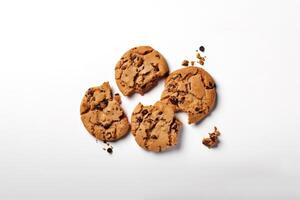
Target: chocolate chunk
<point x="182" y="100"/>
<point x="174" y="100"/>
<point x="153" y="137"/>
<point x="139" y="119"/>
<point x="109" y="150"/>
<point x="144" y="112"/>
<point x="105" y="102"/>
<point x="106" y="126"/>
<point x="201" y="48"/>
<point x="98" y="107"/>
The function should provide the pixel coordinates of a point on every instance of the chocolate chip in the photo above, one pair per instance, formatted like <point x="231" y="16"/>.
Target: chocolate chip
<point x="90" y="91"/>
<point x="139" y="119"/>
<point x="98" y="107"/>
<point x="155" y="66"/>
<point x="144" y="112"/>
<point x="157" y="56"/>
<point x="174" y="100"/>
<point x="160" y="113"/>
<point x="109" y="150"/>
<point x="106" y="126"/>
<point x="153" y="137"/>
<point x="197" y="109"/>
<point x="182" y="100"/>
<point x="105" y="102"/>
<point x="202" y="48"/>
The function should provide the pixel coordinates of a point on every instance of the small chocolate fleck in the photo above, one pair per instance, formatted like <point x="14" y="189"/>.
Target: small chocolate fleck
<point x="153" y="137"/>
<point x="90" y="91"/>
<point x="139" y="119"/>
<point x="182" y="100"/>
<point x="144" y="112"/>
<point x="160" y="113"/>
<point x="98" y="107"/>
<point x="109" y="150"/>
<point x="106" y="126"/>
<point x="201" y="48"/>
<point x="197" y="109"/>
<point x="174" y="100"/>
<point x="105" y="102"/>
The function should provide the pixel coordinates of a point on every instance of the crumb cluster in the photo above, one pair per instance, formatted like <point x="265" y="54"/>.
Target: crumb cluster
<point x="200" y="59"/>
<point x="212" y="140"/>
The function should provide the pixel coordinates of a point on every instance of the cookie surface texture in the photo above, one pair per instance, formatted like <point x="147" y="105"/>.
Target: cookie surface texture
<point x="139" y="70"/>
<point x="191" y="90"/>
<point x="102" y="114"/>
<point x="155" y="128"/>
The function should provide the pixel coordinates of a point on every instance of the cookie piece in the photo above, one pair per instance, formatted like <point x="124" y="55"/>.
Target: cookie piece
<point x="212" y="141"/>
<point x="139" y="69"/>
<point x="102" y="115"/>
<point x="155" y="128"/>
<point x="192" y="90"/>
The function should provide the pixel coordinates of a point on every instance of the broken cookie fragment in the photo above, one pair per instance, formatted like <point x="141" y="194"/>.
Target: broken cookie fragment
<point x="102" y="114"/>
<point x="212" y="141"/>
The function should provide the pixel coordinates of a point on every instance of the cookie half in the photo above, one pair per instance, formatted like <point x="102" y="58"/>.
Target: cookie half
<point x="192" y="90"/>
<point x="139" y="70"/>
<point x="155" y="128"/>
<point x="102" y="114"/>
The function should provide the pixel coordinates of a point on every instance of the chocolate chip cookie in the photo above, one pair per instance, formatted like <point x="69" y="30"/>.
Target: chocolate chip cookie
<point x="192" y="90"/>
<point x="102" y="115"/>
<point x="139" y="70"/>
<point x="155" y="128"/>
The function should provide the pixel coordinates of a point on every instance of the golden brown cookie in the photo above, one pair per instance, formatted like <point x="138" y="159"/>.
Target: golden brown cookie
<point x="102" y="115"/>
<point x="191" y="90"/>
<point x="155" y="128"/>
<point x="139" y="70"/>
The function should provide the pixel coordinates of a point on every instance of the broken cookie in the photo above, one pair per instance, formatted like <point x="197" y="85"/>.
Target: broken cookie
<point x="139" y="70"/>
<point x="102" y="114"/>
<point x="191" y="90"/>
<point x="212" y="140"/>
<point x="155" y="128"/>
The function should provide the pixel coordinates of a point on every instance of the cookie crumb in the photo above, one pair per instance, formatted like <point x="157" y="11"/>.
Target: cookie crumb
<point x="201" y="48"/>
<point x="192" y="63"/>
<point x="185" y="63"/>
<point x="200" y="58"/>
<point x="212" y="141"/>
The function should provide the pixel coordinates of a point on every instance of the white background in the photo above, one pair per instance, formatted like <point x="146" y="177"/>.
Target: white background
<point x="52" y="51"/>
